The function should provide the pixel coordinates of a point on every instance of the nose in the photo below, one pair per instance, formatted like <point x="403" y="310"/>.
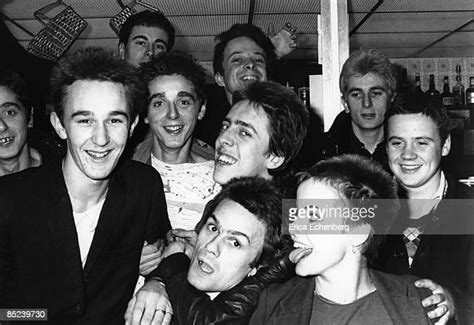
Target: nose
<point x="367" y="101"/>
<point x="409" y="152"/>
<point x="149" y="50"/>
<point x="172" y="112"/>
<point x="213" y="247"/>
<point x="101" y="135"/>
<point x="3" y="125"/>
<point x="225" y="138"/>
<point x="249" y="63"/>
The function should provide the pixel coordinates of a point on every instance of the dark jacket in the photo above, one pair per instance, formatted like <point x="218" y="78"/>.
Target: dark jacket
<point x="446" y="259"/>
<point x="340" y="139"/>
<point x="291" y="303"/>
<point x="40" y="265"/>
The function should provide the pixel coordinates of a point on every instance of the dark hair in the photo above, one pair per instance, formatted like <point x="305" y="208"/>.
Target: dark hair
<point x="15" y="83"/>
<point x="359" y="179"/>
<point x="408" y="104"/>
<point x="243" y="30"/>
<point x="167" y="64"/>
<point x="362" y="62"/>
<point x="263" y="200"/>
<point x="97" y="64"/>
<point x="287" y="116"/>
<point x="148" y="19"/>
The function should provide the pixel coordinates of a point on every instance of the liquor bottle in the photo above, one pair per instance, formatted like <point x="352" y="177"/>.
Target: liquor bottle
<point x="418" y="93"/>
<point x="447" y="96"/>
<point x="458" y="90"/>
<point x="470" y="100"/>
<point x="432" y="93"/>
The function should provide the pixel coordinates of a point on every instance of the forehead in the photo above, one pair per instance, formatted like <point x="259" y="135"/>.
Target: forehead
<point x="367" y="81"/>
<point x="412" y="125"/>
<point x="232" y="216"/>
<point x="99" y="97"/>
<point x="251" y="114"/>
<point x="7" y="95"/>
<point x="150" y="32"/>
<point x="243" y="44"/>
<point x="315" y="189"/>
<point x="171" y="83"/>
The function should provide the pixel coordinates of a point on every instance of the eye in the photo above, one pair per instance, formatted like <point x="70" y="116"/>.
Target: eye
<point x="395" y="143"/>
<point x="116" y="121"/>
<point x="10" y="112"/>
<point x="185" y="102"/>
<point x="235" y="243"/>
<point x="224" y="127"/>
<point x="260" y="60"/>
<point x="159" y="48"/>
<point x="157" y="103"/>
<point x="84" y="121"/>
<point x="141" y="43"/>
<point x="377" y="93"/>
<point x="422" y="143"/>
<point x="245" y="133"/>
<point x="212" y="227"/>
<point x="236" y="59"/>
<point x="356" y="95"/>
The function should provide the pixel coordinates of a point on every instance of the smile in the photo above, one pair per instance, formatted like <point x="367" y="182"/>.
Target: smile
<point x="224" y="159"/>
<point x="6" y="141"/>
<point x="249" y="78"/>
<point x="98" y="154"/>
<point x="410" y="168"/>
<point x="173" y="129"/>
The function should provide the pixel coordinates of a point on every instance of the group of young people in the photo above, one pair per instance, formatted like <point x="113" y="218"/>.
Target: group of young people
<point x="203" y="222"/>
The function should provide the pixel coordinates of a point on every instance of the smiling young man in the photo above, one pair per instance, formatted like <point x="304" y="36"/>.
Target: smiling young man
<point x="367" y="83"/>
<point x="145" y="35"/>
<point x="433" y="234"/>
<point x="15" y="105"/>
<point x="71" y="231"/>
<point x="262" y="133"/>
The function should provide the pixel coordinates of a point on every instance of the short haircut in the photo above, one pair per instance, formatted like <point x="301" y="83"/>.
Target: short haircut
<point x="263" y="200"/>
<point x="362" y="62"/>
<point x="96" y="64"/>
<point x="355" y="177"/>
<point x="15" y="83"/>
<point x="167" y="64"/>
<point x="148" y="19"/>
<point x="404" y="105"/>
<point x="287" y="115"/>
<point x="243" y="30"/>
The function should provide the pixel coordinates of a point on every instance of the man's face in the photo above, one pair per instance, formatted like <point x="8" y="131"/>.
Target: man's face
<point x="242" y="148"/>
<point x="13" y="125"/>
<point x="229" y="242"/>
<point x="367" y="100"/>
<point x="173" y="111"/>
<point x="143" y="43"/>
<point x="414" y="151"/>
<point x="314" y="252"/>
<point x="96" y="124"/>
<point x="244" y="62"/>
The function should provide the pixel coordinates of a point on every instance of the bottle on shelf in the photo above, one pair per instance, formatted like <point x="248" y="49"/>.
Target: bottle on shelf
<point x="432" y="93"/>
<point x="470" y="100"/>
<point x="447" y="96"/>
<point x="458" y="90"/>
<point x="418" y="93"/>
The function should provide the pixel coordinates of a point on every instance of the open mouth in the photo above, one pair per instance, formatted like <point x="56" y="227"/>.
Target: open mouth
<point x="6" y="141"/>
<point x="410" y="168"/>
<point x="224" y="159"/>
<point x="300" y="252"/>
<point x="98" y="154"/>
<point x="173" y="129"/>
<point x="368" y="116"/>
<point x="249" y="78"/>
<point x="204" y="267"/>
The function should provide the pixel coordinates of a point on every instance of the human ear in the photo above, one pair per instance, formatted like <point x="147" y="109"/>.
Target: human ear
<point x="202" y="112"/>
<point x="252" y="272"/>
<point x="446" y="146"/>
<point x="274" y="161"/>
<point x="219" y="79"/>
<point x="346" y="106"/>
<point x="57" y="125"/>
<point x="121" y="50"/>
<point x="134" y="124"/>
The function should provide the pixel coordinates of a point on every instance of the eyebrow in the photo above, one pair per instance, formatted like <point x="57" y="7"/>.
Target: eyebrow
<point x="89" y="113"/>
<point x="416" y="138"/>
<point x="370" y="89"/>
<point x="232" y="232"/>
<point x="141" y="37"/>
<point x="242" y="123"/>
<point x="8" y="104"/>
<point x="240" y="52"/>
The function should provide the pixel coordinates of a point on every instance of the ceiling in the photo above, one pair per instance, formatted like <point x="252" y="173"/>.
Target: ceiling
<point x="401" y="28"/>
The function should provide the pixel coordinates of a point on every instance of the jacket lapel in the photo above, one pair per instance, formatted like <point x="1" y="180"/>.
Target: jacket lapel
<point x="109" y="217"/>
<point x="296" y="308"/>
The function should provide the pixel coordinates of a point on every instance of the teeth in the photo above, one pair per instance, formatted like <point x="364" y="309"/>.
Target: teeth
<point x="300" y="245"/>
<point x="411" y="167"/>
<point x="205" y="267"/>
<point x="246" y="78"/>
<point x="6" y="140"/>
<point x="225" y="160"/>
<point x="173" y="129"/>
<point x="98" y="155"/>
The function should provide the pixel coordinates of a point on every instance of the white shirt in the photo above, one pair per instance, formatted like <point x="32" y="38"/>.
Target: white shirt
<point x="86" y="222"/>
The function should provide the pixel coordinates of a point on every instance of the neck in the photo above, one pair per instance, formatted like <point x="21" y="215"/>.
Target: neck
<point x="370" y="138"/>
<point x="83" y="192"/>
<point x="343" y="286"/>
<point x="24" y="160"/>
<point x="420" y="201"/>
<point x="173" y="156"/>
<point x="427" y="190"/>
<point x="228" y="95"/>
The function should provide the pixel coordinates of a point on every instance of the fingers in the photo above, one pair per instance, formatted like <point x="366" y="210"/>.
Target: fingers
<point x="433" y="300"/>
<point x="129" y="311"/>
<point x="146" y="268"/>
<point x="443" y="320"/>
<point x="427" y="283"/>
<point x="441" y="310"/>
<point x="182" y="233"/>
